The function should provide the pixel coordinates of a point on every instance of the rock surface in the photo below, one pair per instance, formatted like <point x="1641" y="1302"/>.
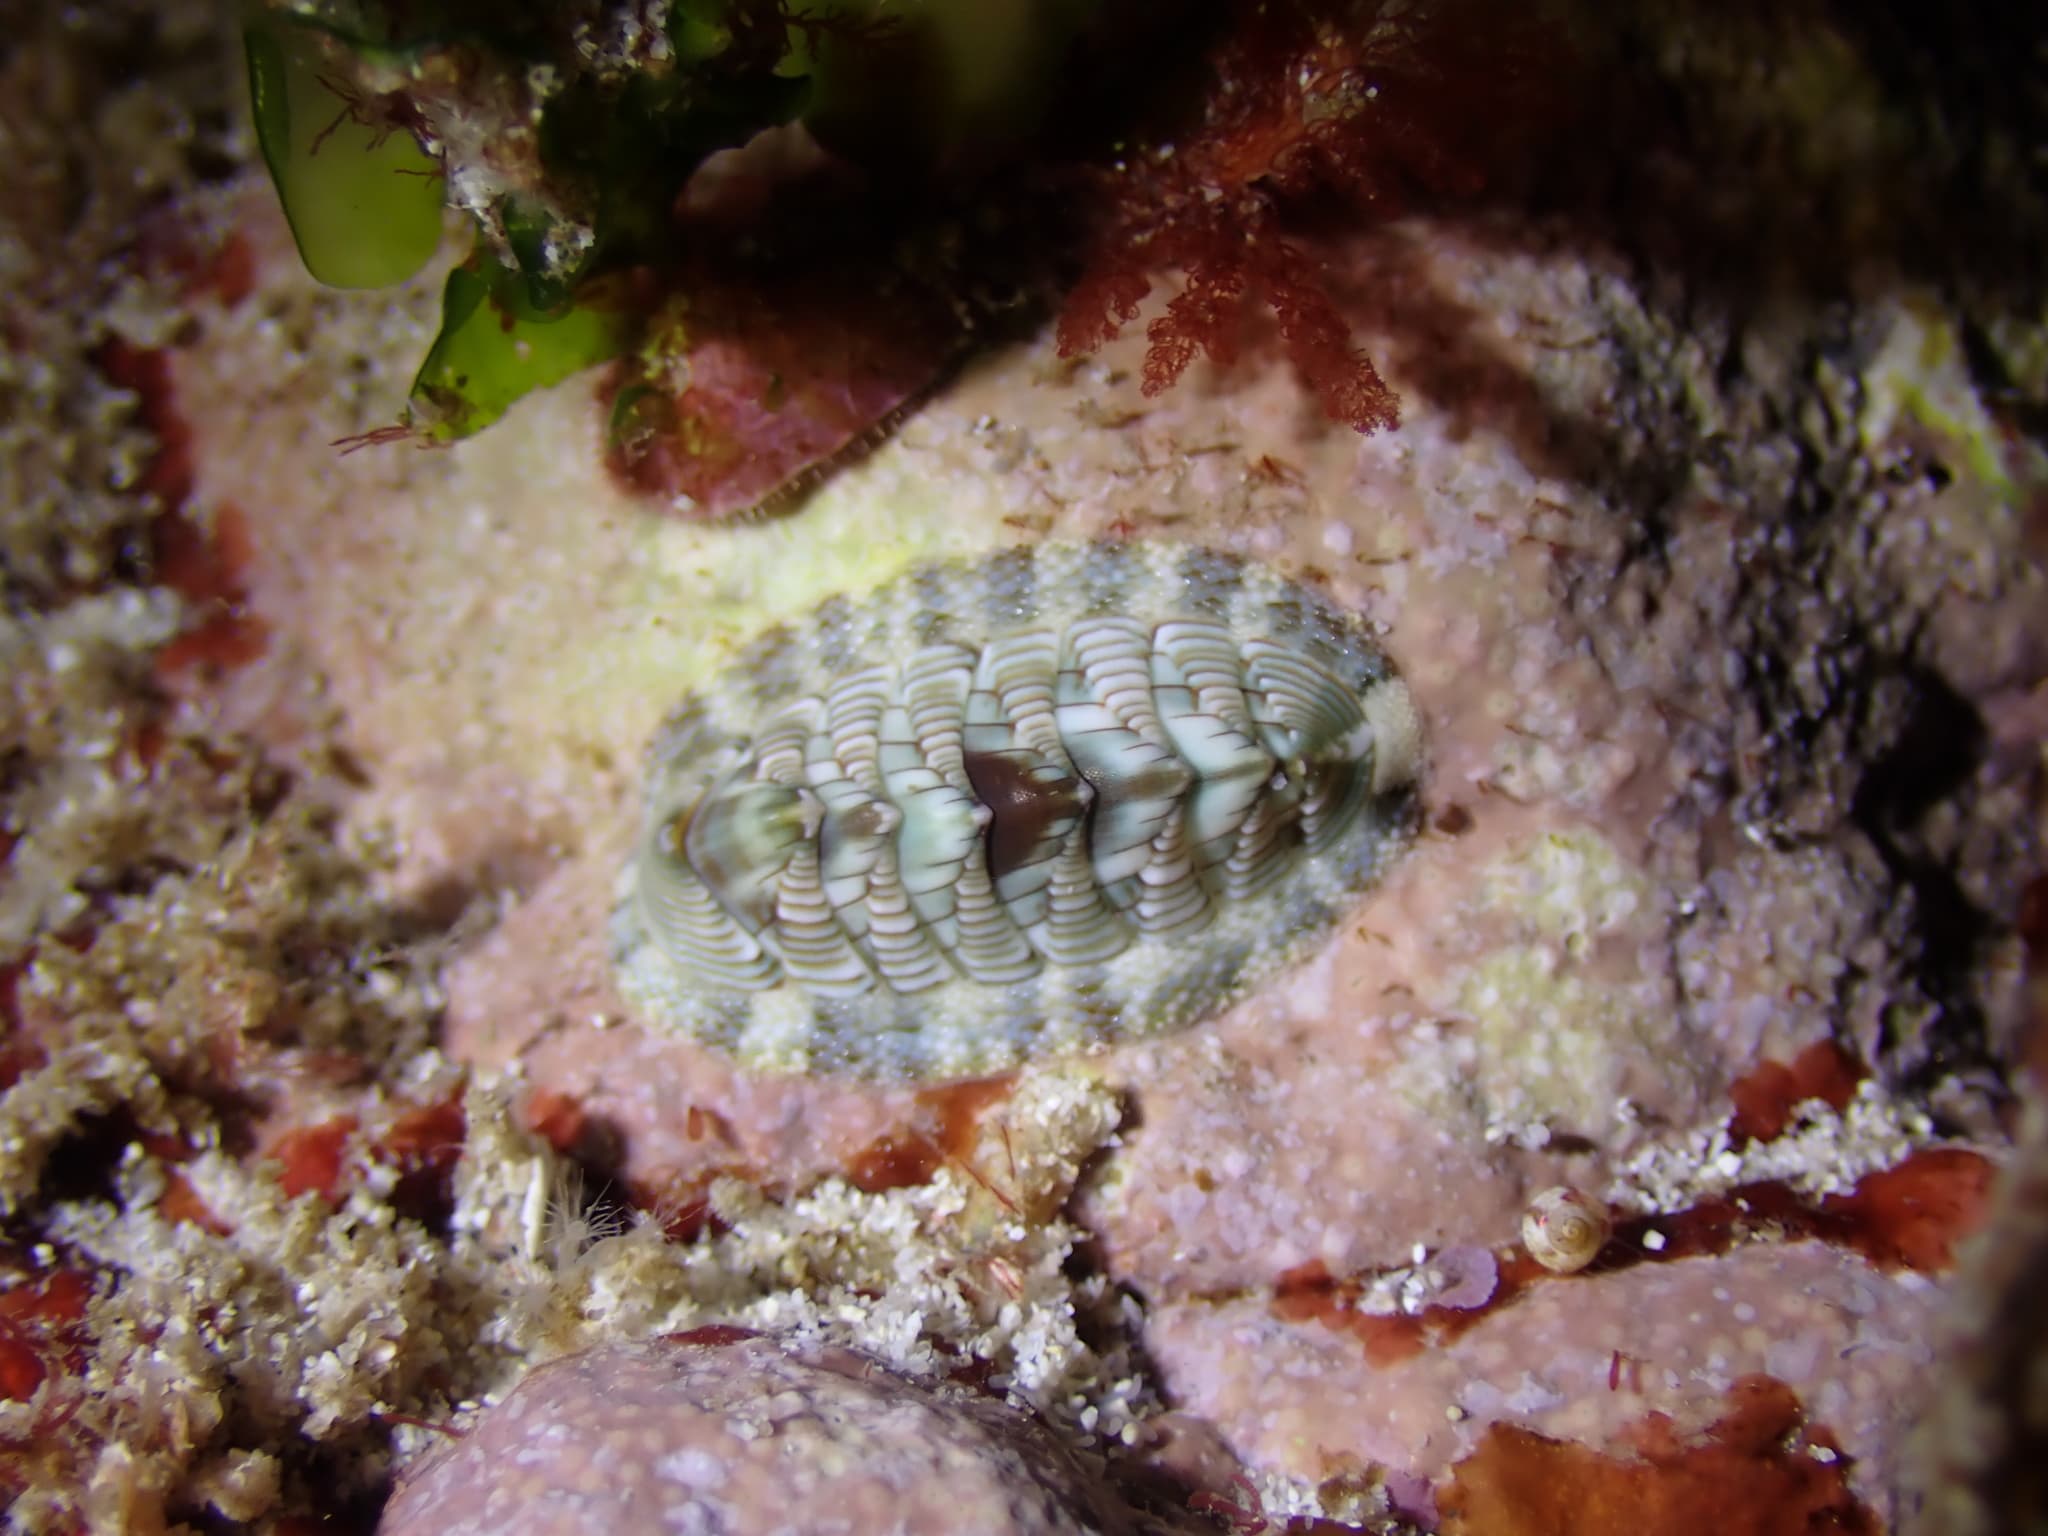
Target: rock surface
<point x="1579" y="1359"/>
<point x="1710" y="540"/>
<point x="1668" y="819"/>
<point x="740" y="1436"/>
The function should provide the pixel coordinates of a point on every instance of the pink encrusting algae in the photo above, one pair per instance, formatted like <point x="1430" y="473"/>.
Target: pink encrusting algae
<point x="338" y="1167"/>
<point x="722" y="1431"/>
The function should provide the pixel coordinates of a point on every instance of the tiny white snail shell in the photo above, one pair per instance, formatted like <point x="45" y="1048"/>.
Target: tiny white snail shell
<point x="1564" y="1228"/>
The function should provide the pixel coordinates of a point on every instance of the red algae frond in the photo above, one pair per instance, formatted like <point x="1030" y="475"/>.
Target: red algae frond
<point x="1309" y="101"/>
<point x="747" y="391"/>
<point x="1766" y="1097"/>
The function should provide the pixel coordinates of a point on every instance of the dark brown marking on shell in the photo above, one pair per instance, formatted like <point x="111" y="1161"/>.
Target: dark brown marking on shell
<point x="1026" y="809"/>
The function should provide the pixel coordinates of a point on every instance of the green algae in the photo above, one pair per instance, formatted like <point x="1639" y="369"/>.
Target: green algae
<point x="361" y="196"/>
<point x="495" y="345"/>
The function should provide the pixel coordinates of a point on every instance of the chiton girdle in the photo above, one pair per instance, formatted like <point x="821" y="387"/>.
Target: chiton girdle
<point x="1037" y="802"/>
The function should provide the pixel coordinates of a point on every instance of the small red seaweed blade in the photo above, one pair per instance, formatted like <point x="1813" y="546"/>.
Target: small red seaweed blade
<point x="746" y="395"/>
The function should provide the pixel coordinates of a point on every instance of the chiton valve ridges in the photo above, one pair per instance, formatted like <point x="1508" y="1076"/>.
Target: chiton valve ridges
<point x="1032" y="803"/>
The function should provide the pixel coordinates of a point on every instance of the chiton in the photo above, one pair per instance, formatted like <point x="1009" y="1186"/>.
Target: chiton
<point x="1037" y="802"/>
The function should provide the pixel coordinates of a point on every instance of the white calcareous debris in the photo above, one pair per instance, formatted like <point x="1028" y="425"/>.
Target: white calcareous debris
<point x="1822" y="1152"/>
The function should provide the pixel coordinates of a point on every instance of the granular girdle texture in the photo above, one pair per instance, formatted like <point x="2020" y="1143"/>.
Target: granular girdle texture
<point x="1033" y="803"/>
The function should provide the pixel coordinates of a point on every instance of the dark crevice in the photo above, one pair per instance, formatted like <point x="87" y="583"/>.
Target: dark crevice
<point x="1931" y="762"/>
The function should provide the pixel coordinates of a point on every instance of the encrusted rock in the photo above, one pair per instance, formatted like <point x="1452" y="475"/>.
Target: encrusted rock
<point x="721" y="1431"/>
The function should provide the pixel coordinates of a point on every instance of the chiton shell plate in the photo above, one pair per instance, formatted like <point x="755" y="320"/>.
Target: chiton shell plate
<point x="1036" y="802"/>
